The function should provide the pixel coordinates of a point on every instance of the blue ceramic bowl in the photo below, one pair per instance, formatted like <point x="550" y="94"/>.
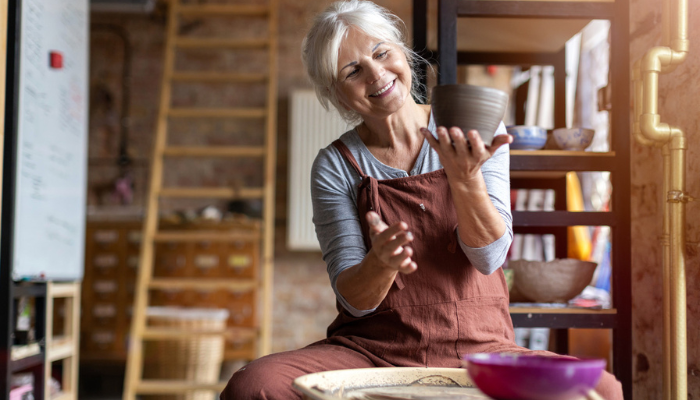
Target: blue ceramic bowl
<point x="527" y="137"/>
<point x="533" y="377"/>
<point x="573" y="138"/>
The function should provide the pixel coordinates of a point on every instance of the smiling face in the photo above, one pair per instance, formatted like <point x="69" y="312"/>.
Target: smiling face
<point x="374" y="78"/>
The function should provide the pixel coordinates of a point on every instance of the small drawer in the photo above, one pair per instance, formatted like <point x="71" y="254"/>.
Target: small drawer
<point x="104" y="314"/>
<point x="102" y="340"/>
<point x="242" y="260"/>
<point x="133" y="239"/>
<point x="105" y="265"/>
<point x="132" y="265"/>
<point x="170" y="260"/>
<point x="106" y="239"/>
<point x="242" y="308"/>
<point x="105" y="289"/>
<point x="206" y="264"/>
<point x="172" y="297"/>
<point x="211" y="298"/>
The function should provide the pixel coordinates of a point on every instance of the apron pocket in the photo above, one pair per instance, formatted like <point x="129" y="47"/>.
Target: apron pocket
<point x="483" y="324"/>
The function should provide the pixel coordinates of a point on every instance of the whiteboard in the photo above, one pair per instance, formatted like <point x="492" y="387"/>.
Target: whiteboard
<point x="52" y="130"/>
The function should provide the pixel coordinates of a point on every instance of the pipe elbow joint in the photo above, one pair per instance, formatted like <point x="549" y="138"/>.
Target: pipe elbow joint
<point x="651" y="127"/>
<point x="656" y="58"/>
<point x="639" y="137"/>
<point x="678" y="57"/>
<point x="678" y="140"/>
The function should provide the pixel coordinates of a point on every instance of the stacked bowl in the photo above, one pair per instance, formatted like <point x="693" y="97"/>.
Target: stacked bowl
<point x="469" y="107"/>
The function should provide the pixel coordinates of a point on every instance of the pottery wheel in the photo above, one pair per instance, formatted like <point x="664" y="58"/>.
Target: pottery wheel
<point x="429" y="388"/>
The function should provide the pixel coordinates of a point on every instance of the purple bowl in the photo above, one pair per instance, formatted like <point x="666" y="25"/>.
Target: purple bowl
<point x="530" y="377"/>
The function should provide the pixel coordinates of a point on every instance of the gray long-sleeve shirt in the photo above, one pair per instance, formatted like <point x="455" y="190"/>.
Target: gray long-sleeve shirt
<point x="334" y="185"/>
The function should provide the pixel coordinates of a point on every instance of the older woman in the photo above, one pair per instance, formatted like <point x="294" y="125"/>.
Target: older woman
<point x="414" y="220"/>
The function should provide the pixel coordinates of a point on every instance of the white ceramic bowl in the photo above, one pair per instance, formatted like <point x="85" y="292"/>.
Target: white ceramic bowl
<point x="573" y="138"/>
<point x="527" y="137"/>
<point x="555" y="281"/>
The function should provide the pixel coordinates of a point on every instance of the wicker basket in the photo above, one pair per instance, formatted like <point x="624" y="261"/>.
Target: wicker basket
<point x="196" y="359"/>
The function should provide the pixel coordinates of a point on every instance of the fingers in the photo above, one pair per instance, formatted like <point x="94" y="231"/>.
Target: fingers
<point x="478" y="147"/>
<point x="460" y="142"/>
<point x="389" y="243"/>
<point x="375" y="222"/>
<point x="499" y="141"/>
<point x="408" y="268"/>
<point x="430" y="138"/>
<point x="444" y="140"/>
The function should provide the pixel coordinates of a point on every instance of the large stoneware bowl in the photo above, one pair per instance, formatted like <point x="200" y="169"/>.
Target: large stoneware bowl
<point x="534" y="377"/>
<point x="555" y="281"/>
<point x="469" y="107"/>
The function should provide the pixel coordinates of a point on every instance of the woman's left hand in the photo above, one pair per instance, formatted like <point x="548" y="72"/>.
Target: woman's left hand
<point x="462" y="159"/>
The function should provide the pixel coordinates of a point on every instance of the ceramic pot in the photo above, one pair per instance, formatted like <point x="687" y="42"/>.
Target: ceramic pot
<point x="573" y="138"/>
<point x="469" y="107"/>
<point x="555" y="281"/>
<point x="527" y="137"/>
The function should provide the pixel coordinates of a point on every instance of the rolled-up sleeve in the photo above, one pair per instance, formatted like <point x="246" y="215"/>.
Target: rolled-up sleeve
<point x="336" y="219"/>
<point x="496" y="172"/>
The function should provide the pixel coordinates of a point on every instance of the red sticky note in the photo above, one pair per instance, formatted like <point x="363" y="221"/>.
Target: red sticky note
<point x="56" y="60"/>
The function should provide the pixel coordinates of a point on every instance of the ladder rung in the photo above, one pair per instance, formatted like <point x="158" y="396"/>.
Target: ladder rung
<point x="213" y="193"/>
<point x="175" y="386"/>
<point x="223" y="9"/>
<point x="218" y="77"/>
<point x="218" y="43"/>
<point x="203" y="284"/>
<point x="205" y="236"/>
<point x="215" y="151"/>
<point x="232" y="333"/>
<point x="217" y="112"/>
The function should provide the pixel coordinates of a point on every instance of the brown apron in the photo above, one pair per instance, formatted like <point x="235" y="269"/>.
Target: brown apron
<point x="430" y="318"/>
<point x="446" y="308"/>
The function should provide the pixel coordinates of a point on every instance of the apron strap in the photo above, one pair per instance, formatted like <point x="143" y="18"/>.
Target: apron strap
<point x="345" y="152"/>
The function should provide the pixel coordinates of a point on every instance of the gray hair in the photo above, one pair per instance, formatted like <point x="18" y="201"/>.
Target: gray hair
<point x="321" y="45"/>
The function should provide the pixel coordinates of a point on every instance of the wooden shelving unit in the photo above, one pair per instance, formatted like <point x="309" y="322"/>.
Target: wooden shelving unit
<point x="496" y="28"/>
<point x="37" y="357"/>
<point x="26" y="358"/>
<point x="65" y="347"/>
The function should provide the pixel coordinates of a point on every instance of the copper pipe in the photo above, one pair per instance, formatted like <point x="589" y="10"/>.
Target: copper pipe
<point x="666" y="277"/>
<point x="639" y="95"/>
<point x="649" y="130"/>
<point x="677" y="199"/>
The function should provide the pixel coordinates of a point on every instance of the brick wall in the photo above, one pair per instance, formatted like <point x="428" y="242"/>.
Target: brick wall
<point x="304" y="302"/>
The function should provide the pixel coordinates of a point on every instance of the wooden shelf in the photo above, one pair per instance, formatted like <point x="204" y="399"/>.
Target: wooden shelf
<point x="562" y="318"/>
<point x="563" y="218"/>
<point x="26" y="362"/>
<point x="20" y="352"/>
<point x="521" y="35"/>
<point x="537" y="9"/>
<point x="560" y="160"/>
<point x="61" y="348"/>
<point x="64" y="396"/>
<point x="29" y="291"/>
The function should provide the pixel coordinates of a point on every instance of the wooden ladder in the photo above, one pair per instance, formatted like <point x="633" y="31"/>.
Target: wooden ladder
<point x="134" y="382"/>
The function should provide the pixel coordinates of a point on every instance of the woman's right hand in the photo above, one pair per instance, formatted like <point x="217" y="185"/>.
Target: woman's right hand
<point x="389" y="244"/>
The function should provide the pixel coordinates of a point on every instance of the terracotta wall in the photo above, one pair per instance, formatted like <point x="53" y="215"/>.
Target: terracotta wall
<point x="678" y="99"/>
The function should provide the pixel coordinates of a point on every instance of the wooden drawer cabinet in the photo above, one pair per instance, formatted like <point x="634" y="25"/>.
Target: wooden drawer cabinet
<point x="111" y="266"/>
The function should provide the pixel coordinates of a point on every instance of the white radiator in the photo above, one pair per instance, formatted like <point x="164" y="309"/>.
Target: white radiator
<point x="311" y="129"/>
